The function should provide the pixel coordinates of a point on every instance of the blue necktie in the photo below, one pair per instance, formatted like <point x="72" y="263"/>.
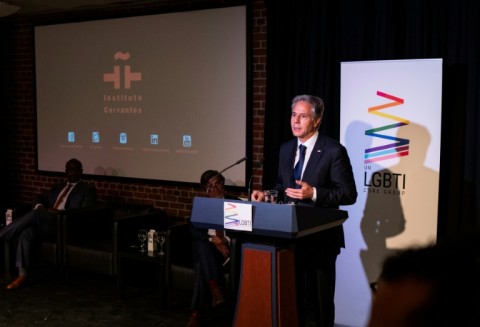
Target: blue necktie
<point x="297" y="171"/>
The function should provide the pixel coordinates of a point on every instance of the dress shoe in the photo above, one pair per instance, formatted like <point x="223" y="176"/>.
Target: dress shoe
<point x="195" y="319"/>
<point x="217" y="297"/>
<point x="17" y="282"/>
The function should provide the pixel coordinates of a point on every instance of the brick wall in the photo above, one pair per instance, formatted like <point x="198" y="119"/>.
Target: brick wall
<point x="19" y="99"/>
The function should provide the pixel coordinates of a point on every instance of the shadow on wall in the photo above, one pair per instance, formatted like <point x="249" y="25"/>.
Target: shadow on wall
<point x="401" y="206"/>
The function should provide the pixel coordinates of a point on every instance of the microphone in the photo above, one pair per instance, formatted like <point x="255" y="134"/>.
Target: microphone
<point x="219" y="173"/>
<point x="257" y="165"/>
<point x="236" y="163"/>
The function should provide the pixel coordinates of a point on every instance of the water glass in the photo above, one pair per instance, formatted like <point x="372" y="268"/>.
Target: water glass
<point x="161" y="238"/>
<point x="270" y="196"/>
<point x="142" y="236"/>
<point x="266" y="196"/>
<point x="273" y="196"/>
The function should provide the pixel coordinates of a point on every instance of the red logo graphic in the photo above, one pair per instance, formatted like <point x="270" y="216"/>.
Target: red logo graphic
<point x="129" y="76"/>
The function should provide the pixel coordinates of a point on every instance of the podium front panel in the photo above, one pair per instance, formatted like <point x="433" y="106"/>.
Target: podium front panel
<point x="269" y="219"/>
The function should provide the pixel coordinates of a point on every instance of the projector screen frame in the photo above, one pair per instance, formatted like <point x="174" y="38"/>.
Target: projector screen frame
<point x="219" y="165"/>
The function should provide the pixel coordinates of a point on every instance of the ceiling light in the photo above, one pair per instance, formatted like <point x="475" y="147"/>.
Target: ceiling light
<point x="7" y="9"/>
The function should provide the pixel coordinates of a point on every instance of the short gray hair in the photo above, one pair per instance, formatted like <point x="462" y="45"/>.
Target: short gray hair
<point x="315" y="102"/>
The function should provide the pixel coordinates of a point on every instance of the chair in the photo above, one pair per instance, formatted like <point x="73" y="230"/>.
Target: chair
<point x="88" y="239"/>
<point x="92" y="237"/>
<point x="179" y="261"/>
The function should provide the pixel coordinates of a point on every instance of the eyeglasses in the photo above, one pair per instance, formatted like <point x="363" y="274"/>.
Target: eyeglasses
<point x="214" y="186"/>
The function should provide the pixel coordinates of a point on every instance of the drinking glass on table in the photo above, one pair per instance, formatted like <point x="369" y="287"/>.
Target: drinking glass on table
<point x="142" y="236"/>
<point x="161" y="238"/>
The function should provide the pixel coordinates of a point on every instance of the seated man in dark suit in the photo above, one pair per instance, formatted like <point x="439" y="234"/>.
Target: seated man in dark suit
<point x="41" y="221"/>
<point x="211" y="251"/>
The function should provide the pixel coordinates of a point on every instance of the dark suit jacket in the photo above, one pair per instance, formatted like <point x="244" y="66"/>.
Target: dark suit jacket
<point x="330" y="172"/>
<point x="82" y="195"/>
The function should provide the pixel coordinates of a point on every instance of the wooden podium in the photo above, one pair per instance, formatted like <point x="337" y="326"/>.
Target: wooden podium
<point x="267" y="295"/>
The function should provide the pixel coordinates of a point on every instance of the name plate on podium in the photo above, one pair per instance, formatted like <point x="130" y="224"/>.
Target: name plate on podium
<point x="270" y="219"/>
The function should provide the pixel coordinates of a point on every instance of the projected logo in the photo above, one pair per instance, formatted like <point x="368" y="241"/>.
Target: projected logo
<point x="116" y="76"/>
<point x="123" y="138"/>
<point x="187" y="141"/>
<point x="396" y="147"/>
<point x="95" y="137"/>
<point x="154" y="139"/>
<point x="71" y="137"/>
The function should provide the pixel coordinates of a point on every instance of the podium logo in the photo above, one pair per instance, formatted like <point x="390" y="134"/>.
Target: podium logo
<point x="116" y="76"/>
<point x="231" y="216"/>
<point x="397" y="147"/>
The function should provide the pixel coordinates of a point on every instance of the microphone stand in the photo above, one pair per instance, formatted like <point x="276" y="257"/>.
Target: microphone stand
<point x="236" y="163"/>
<point x="259" y="163"/>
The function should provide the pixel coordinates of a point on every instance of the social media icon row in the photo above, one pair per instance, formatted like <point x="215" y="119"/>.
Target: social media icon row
<point x="123" y="138"/>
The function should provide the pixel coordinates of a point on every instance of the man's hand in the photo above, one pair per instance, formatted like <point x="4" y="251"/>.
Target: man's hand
<point x="305" y="192"/>
<point x="257" y="196"/>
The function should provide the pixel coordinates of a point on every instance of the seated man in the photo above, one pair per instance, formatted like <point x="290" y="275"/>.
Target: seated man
<point x="436" y="285"/>
<point x="41" y="221"/>
<point x="211" y="251"/>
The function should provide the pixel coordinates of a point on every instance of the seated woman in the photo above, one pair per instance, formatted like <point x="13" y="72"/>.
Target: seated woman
<point x="211" y="251"/>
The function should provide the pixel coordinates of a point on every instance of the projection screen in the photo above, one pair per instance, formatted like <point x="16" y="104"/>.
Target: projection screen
<point x="156" y="97"/>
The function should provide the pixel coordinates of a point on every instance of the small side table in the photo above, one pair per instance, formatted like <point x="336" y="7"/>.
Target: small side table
<point x="129" y="258"/>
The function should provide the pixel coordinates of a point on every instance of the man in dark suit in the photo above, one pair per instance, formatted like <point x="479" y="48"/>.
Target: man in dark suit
<point x="319" y="175"/>
<point x="42" y="220"/>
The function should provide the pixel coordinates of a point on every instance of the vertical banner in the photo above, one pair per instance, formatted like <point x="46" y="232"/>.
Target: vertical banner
<point x="390" y="124"/>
